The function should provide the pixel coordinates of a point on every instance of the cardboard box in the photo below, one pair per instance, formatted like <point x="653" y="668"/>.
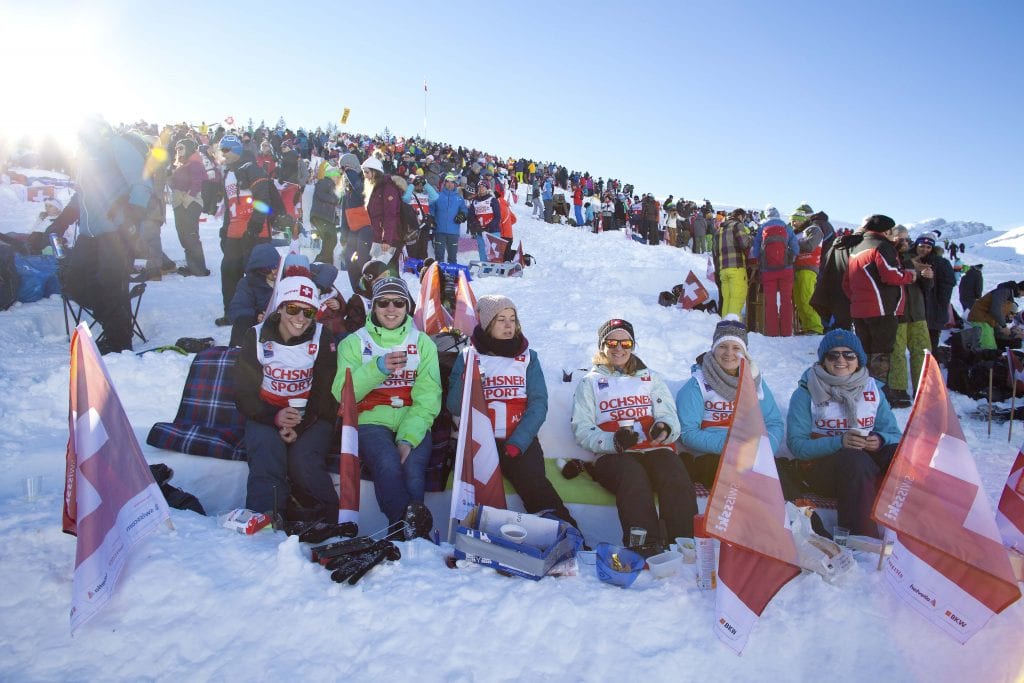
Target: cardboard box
<point x="547" y="542"/>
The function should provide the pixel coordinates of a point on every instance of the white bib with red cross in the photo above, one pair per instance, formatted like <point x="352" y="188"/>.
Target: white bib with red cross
<point x="829" y="418"/>
<point x="504" y="383"/>
<point x="287" y="369"/>
<point x="396" y="389"/>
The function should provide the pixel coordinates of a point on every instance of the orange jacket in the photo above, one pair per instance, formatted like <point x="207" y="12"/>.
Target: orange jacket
<point x="508" y="219"/>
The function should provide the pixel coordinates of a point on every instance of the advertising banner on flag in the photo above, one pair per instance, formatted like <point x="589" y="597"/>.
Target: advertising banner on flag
<point x="348" y="464"/>
<point x="747" y="512"/>
<point x="477" y="476"/>
<point x="948" y="561"/>
<point x="111" y="501"/>
<point x="693" y="293"/>
<point x="466" y="317"/>
<point x="431" y="316"/>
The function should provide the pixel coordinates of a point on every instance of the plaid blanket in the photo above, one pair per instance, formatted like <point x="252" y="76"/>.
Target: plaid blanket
<point x="207" y="423"/>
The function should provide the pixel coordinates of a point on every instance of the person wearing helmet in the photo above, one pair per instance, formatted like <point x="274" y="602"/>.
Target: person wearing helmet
<point x="446" y="209"/>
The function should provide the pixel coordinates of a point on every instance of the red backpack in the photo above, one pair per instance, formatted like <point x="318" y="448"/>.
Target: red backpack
<point x="775" y="253"/>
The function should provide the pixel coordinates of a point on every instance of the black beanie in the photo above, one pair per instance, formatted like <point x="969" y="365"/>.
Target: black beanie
<point x="879" y="223"/>
<point x="611" y="326"/>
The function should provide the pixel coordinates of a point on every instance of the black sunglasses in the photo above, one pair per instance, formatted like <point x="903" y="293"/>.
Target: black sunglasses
<point x="833" y="356"/>
<point x="295" y="309"/>
<point x="394" y="303"/>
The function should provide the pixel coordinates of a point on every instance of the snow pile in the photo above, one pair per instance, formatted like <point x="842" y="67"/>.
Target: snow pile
<point x="205" y="603"/>
<point x="951" y="230"/>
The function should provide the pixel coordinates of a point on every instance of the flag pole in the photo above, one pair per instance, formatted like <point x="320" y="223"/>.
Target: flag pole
<point x="460" y="444"/>
<point x="990" y="401"/>
<point x="1013" y="395"/>
<point x="424" y="106"/>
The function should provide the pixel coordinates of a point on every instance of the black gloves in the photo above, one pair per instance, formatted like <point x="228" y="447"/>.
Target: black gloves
<point x="320" y="531"/>
<point x="659" y="431"/>
<point x="354" y="566"/>
<point x="625" y="438"/>
<point x="461" y="217"/>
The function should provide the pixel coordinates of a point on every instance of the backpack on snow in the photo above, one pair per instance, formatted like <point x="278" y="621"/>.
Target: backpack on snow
<point x="775" y="253"/>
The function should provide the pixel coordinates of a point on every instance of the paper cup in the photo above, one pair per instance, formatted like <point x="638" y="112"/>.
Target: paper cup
<point x="299" y="404"/>
<point x="33" y="486"/>
<point x="513" y="532"/>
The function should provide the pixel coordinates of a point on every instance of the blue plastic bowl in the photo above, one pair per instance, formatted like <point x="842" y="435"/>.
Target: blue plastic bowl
<point x="631" y="563"/>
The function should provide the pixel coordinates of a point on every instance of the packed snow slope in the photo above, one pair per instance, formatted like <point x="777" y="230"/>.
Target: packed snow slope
<point x="203" y="603"/>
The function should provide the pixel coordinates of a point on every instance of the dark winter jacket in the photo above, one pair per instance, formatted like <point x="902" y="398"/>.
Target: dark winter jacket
<point x="829" y="298"/>
<point x="253" y="292"/>
<point x="384" y="207"/>
<point x="253" y="178"/>
<point x="288" y="169"/>
<point x="875" y="278"/>
<point x="353" y="195"/>
<point x="325" y="201"/>
<point x="915" y="310"/>
<point x="249" y="376"/>
<point x="936" y="298"/>
<point x="971" y="287"/>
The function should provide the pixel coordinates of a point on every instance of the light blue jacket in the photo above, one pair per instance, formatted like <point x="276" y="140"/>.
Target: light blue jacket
<point x="711" y="440"/>
<point x="799" y="423"/>
<point x="791" y="240"/>
<point x="110" y="176"/>
<point x="548" y="191"/>
<point x="410" y="190"/>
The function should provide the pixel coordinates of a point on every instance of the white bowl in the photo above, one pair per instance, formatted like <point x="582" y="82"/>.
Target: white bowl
<point x="664" y="564"/>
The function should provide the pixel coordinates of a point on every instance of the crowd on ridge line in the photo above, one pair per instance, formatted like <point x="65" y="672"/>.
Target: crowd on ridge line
<point x="839" y="426"/>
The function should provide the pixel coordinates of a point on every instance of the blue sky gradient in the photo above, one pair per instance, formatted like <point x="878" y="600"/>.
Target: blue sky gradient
<point x="907" y="108"/>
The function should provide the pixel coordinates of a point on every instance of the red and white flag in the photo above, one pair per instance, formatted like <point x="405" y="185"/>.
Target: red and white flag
<point x="521" y="255"/>
<point x="694" y="293"/>
<point x="477" y="474"/>
<point x="948" y="561"/>
<point x="348" y="464"/>
<point x="1010" y="513"/>
<point x="747" y="512"/>
<point x="111" y="501"/>
<point x="1016" y="368"/>
<point x="466" y="317"/>
<point x="430" y="316"/>
<point x="495" y="248"/>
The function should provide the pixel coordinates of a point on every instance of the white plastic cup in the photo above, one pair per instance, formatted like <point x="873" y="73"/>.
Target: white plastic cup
<point x="841" y="535"/>
<point x="637" y="536"/>
<point x="33" y="487"/>
<point x="299" y="404"/>
<point x="513" y="533"/>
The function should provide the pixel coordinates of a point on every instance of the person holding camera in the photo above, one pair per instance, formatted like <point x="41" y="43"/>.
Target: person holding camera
<point x="624" y="414"/>
<point x="449" y="210"/>
<point x="420" y="195"/>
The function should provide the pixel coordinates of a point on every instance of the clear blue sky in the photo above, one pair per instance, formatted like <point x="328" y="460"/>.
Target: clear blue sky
<point x="912" y="109"/>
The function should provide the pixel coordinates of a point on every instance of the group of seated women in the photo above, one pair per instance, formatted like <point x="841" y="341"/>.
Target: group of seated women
<point x="648" y="447"/>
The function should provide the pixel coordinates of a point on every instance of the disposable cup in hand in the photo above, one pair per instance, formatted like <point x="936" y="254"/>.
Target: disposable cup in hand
<point x="33" y="487"/>
<point x="299" y="404"/>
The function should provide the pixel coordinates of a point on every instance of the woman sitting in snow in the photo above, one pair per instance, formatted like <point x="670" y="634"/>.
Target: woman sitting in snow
<point x="516" y="415"/>
<point x="841" y="430"/>
<point x="398" y="386"/>
<point x="286" y="357"/>
<point x="706" y="403"/>
<point x="624" y="414"/>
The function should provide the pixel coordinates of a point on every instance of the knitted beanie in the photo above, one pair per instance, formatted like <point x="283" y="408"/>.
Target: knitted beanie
<point x="490" y="306"/>
<point x="730" y="330"/>
<point x="391" y="286"/>
<point x="840" y="337"/>
<point x="611" y="326"/>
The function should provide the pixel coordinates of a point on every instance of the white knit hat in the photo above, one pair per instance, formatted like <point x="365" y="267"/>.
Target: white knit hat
<point x="296" y="289"/>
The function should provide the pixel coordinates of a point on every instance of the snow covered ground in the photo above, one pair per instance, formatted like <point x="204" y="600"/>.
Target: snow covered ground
<point x="203" y="603"/>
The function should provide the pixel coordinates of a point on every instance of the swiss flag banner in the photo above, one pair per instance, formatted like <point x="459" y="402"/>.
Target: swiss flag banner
<point x="521" y="255"/>
<point x="495" y="248"/>
<point x="1010" y="514"/>
<point x="948" y="561"/>
<point x="431" y="317"/>
<point x="348" y="465"/>
<point x="477" y="474"/>
<point x="111" y="501"/>
<point x="1016" y="368"/>
<point x="747" y="511"/>
<point x="694" y="293"/>
<point x="466" y="317"/>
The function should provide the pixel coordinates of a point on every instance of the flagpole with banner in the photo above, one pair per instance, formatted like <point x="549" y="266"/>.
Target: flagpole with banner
<point x="747" y="512"/>
<point x="424" y="106"/>
<point x="348" y="464"/>
<point x="111" y="501"/>
<point x="948" y="561"/>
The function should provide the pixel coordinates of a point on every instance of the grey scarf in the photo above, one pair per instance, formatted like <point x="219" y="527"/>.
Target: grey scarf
<point x="844" y="390"/>
<point x="721" y="381"/>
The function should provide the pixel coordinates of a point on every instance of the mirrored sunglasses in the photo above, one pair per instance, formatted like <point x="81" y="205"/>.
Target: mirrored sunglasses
<point x="394" y="303"/>
<point x="833" y="356"/>
<point x="296" y="309"/>
<point x="615" y="343"/>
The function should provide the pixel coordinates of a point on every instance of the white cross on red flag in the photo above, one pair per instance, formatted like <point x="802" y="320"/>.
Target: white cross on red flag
<point x="431" y="316"/>
<point x="948" y="561"/>
<point x="348" y="464"/>
<point x="477" y="474"/>
<point x="693" y="292"/>
<point x="747" y="512"/>
<point x="495" y="248"/>
<point x="1010" y="513"/>
<point x="466" y="317"/>
<point x="111" y="501"/>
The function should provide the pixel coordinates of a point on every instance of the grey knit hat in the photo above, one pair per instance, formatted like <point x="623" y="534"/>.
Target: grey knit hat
<point x="730" y="330"/>
<point x="391" y="286"/>
<point x="490" y="306"/>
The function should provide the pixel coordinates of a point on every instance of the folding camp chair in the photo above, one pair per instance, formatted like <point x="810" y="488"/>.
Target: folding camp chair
<point x="74" y="311"/>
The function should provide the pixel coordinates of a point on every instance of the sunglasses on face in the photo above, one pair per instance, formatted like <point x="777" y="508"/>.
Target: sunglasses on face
<point x="833" y="356"/>
<point x="394" y="303"/>
<point x="615" y="343"/>
<point x="295" y="309"/>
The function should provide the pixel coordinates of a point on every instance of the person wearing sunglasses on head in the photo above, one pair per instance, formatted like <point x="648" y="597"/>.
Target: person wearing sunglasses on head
<point x="841" y="430"/>
<point x="397" y="384"/>
<point x="624" y="414"/>
<point x="707" y="401"/>
<point x="287" y="357"/>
